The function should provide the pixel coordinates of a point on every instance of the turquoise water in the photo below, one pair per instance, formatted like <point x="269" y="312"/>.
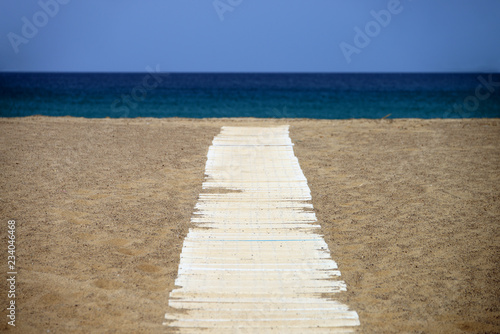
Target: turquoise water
<point x="330" y="96"/>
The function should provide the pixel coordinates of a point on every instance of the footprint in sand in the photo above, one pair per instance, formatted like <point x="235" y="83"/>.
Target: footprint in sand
<point x="107" y="284"/>
<point x="149" y="268"/>
<point x="50" y="299"/>
<point x="123" y="246"/>
<point x="74" y="217"/>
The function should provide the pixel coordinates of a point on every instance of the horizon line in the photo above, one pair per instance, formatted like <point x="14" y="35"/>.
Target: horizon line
<point x="247" y="72"/>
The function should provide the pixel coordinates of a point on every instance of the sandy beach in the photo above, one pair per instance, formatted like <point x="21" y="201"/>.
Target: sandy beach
<point x="409" y="208"/>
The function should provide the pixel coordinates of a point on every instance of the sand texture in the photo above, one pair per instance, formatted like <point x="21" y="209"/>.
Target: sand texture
<point x="409" y="209"/>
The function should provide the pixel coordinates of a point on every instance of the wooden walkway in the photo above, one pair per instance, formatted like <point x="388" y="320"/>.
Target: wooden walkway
<point x="255" y="262"/>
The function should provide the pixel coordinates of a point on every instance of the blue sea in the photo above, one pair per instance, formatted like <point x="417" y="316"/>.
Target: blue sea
<point x="278" y="95"/>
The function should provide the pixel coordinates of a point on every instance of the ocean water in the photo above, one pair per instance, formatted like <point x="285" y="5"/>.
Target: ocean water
<point x="199" y="95"/>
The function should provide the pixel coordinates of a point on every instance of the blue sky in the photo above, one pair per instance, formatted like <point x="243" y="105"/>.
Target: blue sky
<point x="250" y="35"/>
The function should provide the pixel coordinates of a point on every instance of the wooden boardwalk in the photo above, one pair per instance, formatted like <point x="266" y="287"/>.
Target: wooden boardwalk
<point x="255" y="262"/>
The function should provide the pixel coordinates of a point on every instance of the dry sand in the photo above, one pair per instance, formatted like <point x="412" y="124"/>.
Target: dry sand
<point x="409" y="208"/>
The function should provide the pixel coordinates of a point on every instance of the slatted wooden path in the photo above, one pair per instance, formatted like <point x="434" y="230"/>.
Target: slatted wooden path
<point x="256" y="262"/>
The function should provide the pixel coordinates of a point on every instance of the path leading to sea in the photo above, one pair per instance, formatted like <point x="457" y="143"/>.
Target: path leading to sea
<point x="255" y="261"/>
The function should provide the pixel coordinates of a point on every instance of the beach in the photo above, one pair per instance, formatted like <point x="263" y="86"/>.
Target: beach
<point x="408" y="207"/>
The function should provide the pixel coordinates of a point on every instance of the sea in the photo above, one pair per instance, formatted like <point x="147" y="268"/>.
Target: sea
<point x="269" y="95"/>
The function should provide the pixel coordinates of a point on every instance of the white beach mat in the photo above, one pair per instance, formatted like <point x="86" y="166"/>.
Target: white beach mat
<point x="255" y="262"/>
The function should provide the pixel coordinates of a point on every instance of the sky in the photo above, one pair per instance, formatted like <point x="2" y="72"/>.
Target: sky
<point x="250" y="35"/>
